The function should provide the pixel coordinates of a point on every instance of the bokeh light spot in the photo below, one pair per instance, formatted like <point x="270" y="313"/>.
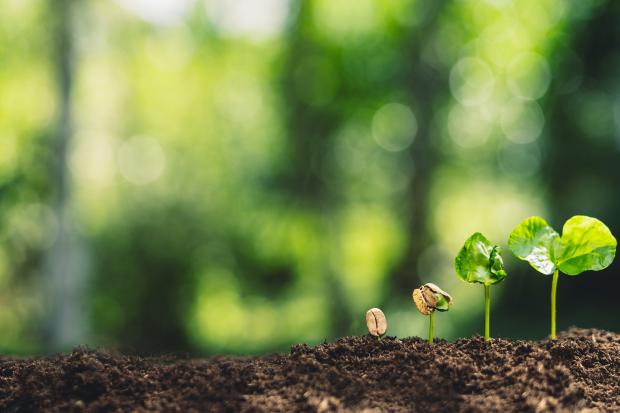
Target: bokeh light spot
<point x="519" y="160"/>
<point x="471" y="81"/>
<point x="92" y="159"/>
<point x="257" y="19"/>
<point x="394" y="127"/>
<point x="469" y="128"/>
<point x="522" y="123"/>
<point x="528" y="76"/>
<point x="141" y="160"/>
<point x="163" y="12"/>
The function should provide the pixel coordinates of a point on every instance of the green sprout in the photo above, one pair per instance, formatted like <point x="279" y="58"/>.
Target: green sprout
<point x="429" y="298"/>
<point x="586" y="244"/>
<point x="480" y="262"/>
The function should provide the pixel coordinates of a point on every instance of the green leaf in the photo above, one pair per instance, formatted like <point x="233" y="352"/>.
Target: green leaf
<point x="587" y="245"/>
<point x="497" y="264"/>
<point x="534" y="241"/>
<point x="443" y="304"/>
<point x="479" y="261"/>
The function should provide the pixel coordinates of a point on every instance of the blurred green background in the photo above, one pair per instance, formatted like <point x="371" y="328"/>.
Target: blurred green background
<point x="237" y="176"/>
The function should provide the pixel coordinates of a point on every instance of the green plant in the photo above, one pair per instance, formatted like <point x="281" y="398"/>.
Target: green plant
<point x="479" y="261"/>
<point x="586" y="244"/>
<point x="429" y="298"/>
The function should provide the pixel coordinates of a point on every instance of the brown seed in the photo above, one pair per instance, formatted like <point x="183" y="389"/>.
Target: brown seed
<point x="425" y="299"/>
<point x="420" y="301"/>
<point x="429" y="297"/>
<point x="376" y="322"/>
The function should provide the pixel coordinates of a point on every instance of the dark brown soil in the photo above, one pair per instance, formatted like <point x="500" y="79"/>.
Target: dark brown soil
<point x="580" y="372"/>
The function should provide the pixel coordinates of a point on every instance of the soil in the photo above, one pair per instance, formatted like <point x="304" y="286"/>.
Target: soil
<point x="579" y="372"/>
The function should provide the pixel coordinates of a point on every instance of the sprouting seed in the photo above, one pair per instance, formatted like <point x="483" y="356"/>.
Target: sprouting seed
<point x="429" y="298"/>
<point x="376" y="322"/>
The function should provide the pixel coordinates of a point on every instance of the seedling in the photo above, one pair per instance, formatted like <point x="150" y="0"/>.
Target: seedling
<point x="376" y="322"/>
<point x="480" y="262"/>
<point x="429" y="298"/>
<point x="586" y="244"/>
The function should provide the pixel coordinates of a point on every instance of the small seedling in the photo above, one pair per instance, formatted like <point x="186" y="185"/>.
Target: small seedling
<point x="376" y="322"/>
<point x="479" y="261"/>
<point x="429" y="298"/>
<point x="586" y="244"/>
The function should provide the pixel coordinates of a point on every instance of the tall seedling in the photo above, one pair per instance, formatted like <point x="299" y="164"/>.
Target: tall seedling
<point x="479" y="261"/>
<point x="586" y="244"/>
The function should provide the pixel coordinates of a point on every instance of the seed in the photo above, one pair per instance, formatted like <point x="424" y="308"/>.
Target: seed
<point x="420" y="301"/>
<point x="376" y="322"/>
<point x="425" y="297"/>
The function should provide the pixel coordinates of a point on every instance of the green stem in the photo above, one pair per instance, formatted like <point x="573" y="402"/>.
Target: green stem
<point x="431" y="328"/>
<point x="487" y="312"/>
<point x="554" y="290"/>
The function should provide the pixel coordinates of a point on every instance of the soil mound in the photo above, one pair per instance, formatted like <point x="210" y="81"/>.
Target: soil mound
<point x="579" y="372"/>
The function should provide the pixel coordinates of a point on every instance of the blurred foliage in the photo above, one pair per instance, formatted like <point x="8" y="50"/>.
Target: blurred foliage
<point x="246" y="174"/>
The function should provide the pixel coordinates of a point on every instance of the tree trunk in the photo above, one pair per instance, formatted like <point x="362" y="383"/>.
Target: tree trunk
<point x="429" y="89"/>
<point x="64" y="281"/>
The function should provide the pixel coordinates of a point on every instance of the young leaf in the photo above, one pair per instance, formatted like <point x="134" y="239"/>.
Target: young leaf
<point x="479" y="261"/>
<point x="587" y="245"/>
<point x="497" y="264"/>
<point x="534" y="241"/>
<point x="442" y="303"/>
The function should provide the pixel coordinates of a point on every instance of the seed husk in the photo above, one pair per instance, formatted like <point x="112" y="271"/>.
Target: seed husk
<point x="420" y="301"/>
<point x="427" y="296"/>
<point x="438" y="290"/>
<point x="376" y="322"/>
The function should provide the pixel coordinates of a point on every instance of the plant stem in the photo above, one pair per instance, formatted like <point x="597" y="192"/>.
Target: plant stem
<point x="487" y="312"/>
<point x="554" y="290"/>
<point x="431" y="328"/>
